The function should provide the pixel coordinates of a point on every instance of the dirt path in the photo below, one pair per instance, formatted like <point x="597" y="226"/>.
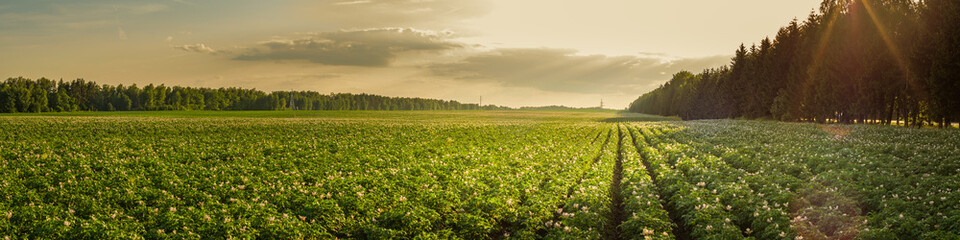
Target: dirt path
<point x="617" y="212"/>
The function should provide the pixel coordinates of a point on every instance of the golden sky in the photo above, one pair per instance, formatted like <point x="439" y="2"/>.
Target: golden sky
<point x="512" y="52"/>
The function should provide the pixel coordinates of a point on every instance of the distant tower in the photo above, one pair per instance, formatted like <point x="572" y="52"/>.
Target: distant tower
<point x="481" y="101"/>
<point x="292" y="105"/>
<point x="601" y="102"/>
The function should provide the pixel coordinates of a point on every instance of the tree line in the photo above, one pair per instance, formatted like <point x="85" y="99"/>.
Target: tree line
<point x="853" y="61"/>
<point x="45" y="95"/>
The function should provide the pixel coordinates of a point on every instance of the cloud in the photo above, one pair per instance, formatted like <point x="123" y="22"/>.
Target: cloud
<point x="351" y="2"/>
<point x="367" y="47"/>
<point x="197" y="48"/>
<point x="414" y="13"/>
<point x="562" y="70"/>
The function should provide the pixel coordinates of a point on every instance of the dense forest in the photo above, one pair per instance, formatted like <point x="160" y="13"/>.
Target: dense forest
<point x="44" y="95"/>
<point x="877" y="61"/>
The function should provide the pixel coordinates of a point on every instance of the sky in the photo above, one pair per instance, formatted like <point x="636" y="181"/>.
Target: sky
<point x="511" y="52"/>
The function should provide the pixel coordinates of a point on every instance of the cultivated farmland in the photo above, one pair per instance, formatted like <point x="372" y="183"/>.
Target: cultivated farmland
<point x="470" y="175"/>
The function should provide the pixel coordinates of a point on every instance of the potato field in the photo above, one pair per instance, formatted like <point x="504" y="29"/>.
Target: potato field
<point x="470" y="175"/>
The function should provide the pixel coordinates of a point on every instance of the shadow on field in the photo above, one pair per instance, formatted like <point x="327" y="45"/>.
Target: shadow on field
<point x="637" y="117"/>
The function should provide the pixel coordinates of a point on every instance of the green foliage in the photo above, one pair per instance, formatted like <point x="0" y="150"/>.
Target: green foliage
<point x="780" y="107"/>
<point x="43" y="95"/>
<point x="852" y="61"/>
<point x="96" y="178"/>
<point x="468" y="175"/>
<point x="853" y="181"/>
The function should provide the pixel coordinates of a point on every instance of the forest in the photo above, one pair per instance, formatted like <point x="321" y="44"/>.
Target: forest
<point x="45" y="95"/>
<point x="853" y="61"/>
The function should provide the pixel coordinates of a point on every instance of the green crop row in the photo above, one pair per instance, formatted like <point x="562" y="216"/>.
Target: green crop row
<point x="646" y="218"/>
<point x="584" y="214"/>
<point x="759" y="201"/>
<point x="472" y="178"/>
<point x="159" y="178"/>
<point x="849" y="181"/>
<point x="700" y="211"/>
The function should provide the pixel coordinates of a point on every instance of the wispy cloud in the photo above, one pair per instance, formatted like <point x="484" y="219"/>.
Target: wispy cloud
<point x="413" y="13"/>
<point x="366" y="47"/>
<point x="563" y="70"/>
<point x="352" y="2"/>
<point x="197" y="48"/>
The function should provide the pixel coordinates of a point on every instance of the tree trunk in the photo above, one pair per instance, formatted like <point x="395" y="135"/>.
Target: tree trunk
<point x="890" y="115"/>
<point x="897" y="111"/>
<point x="906" y="118"/>
<point x="916" y="119"/>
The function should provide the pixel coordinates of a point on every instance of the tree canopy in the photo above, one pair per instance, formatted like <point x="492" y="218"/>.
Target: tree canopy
<point x="852" y="61"/>
<point x="45" y="95"/>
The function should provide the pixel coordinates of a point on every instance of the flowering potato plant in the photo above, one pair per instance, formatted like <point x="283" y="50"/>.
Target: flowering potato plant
<point x="469" y="177"/>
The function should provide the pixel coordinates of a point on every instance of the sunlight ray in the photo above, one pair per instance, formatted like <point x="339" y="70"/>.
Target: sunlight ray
<point x="887" y="40"/>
